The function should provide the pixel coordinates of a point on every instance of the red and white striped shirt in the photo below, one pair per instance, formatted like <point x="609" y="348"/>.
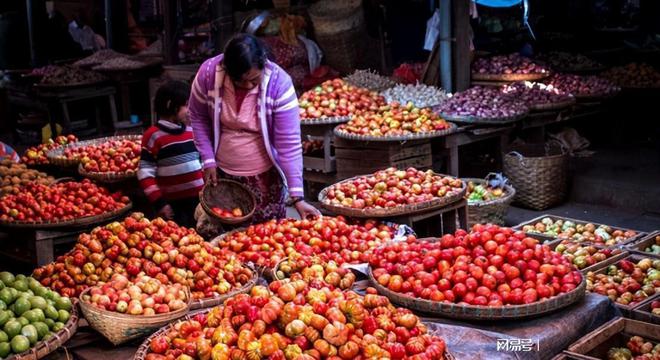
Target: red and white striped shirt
<point x="170" y="167"/>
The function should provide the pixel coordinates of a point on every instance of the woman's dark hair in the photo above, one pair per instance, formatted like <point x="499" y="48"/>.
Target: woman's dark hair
<point x="242" y="53"/>
<point x="170" y="97"/>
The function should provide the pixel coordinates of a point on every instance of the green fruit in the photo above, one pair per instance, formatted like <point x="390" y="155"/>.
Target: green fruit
<point x="23" y="321"/>
<point x="63" y="316"/>
<point x="3" y="306"/>
<point x="21" y="277"/>
<point x="50" y="323"/>
<point x="40" y="291"/>
<point x="2" y="285"/>
<point x="39" y="314"/>
<point x="12" y="308"/>
<point x="5" y="349"/>
<point x="63" y="303"/>
<point x="3" y="336"/>
<point x="21" y="305"/>
<point x="50" y="294"/>
<point x="20" y="285"/>
<point x="33" y="284"/>
<point x="30" y="332"/>
<point x="38" y="302"/>
<point x="7" y="278"/>
<point x="4" y="317"/>
<point x="51" y="312"/>
<point x="6" y="296"/>
<point x="30" y="316"/>
<point x="19" y="344"/>
<point x="12" y="328"/>
<point x="58" y="326"/>
<point x="42" y="329"/>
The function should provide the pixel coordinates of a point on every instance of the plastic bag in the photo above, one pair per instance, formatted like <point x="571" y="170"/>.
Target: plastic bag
<point x="432" y="30"/>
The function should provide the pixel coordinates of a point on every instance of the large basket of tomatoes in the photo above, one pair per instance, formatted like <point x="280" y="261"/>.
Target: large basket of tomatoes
<point x="116" y="311"/>
<point x="450" y="283"/>
<point x="487" y="204"/>
<point x="392" y="192"/>
<point x="103" y="159"/>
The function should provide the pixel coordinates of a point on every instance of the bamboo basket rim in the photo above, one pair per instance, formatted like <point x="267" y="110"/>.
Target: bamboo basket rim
<point x="463" y="312"/>
<point x="230" y="221"/>
<point x="326" y="120"/>
<point x="460" y="119"/>
<point x="83" y="221"/>
<point x="553" y="106"/>
<point x="509" y="192"/>
<point x="510" y="77"/>
<point x="107" y="177"/>
<point x="640" y="234"/>
<point x="395" y="211"/>
<point x="196" y="304"/>
<point x="338" y="131"/>
<point x="45" y="347"/>
<point x="54" y="155"/>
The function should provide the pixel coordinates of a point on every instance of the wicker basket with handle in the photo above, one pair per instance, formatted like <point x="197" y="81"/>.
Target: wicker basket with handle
<point x="538" y="173"/>
<point x="120" y="328"/>
<point x="492" y="211"/>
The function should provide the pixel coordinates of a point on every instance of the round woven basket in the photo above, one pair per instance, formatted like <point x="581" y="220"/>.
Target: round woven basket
<point x="45" y="347"/>
<point x="510" y="77"/>
<point x="539" y="175"/>
<point x="326" y="120"/>
<point x="473" y="312"/>
<point x="390" y="212"/>
<point x="55" y="155"/>
<point x="228" y="194"/>
<point x="196" y="304"/>
<point x="120" y="328"/>
<point x="492" y="211"/>
<point x="552" y="106"/>
<point x="80" y="222"/>
<point x="462" y="119"/>
<point x="339" y="132"/>
<point x="107" y="177"/>
<point x="337" y="16"/>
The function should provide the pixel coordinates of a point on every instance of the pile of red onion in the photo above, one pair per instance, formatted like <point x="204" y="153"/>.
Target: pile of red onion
<point x="582" y="86"/>
<point x="507" y="64"/>
<point x="536" y="94"/>
<point x="483" y="102"/>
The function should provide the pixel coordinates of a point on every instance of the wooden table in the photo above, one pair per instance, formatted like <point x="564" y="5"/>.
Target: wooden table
<point x="435" y="223"/>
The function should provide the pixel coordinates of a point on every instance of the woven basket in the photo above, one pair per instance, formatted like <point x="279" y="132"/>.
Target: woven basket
<point x="120" y="328"/>
<point x="473" y="312"/>
<point x="552" y="106"/>
<point x="43" y="348"/>
<point x="493" y="211"/>
<point x="390" y="212"/>
<point x="466" y="119"/>
<point x="107" y="177"/>
<point x="539" y="175"/>
<point x="196" y="304"/>
<point x="80" y="222"/>
<point x="55" y="155"/>
<point x="228" y="194"/>
<point x="509" y="77"/>
<point x="339" y="132"/>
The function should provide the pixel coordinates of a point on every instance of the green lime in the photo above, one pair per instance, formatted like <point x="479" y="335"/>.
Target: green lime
<point x="5" y="349"/>
<point x="63" y="316"/>
<point x="20" y="285"/>
<point x="38" y="302"/>
<point x="50" y="323"/>
<point x="30" y="332"/>
<point x="12" y="328"/>
<point x="6" y="296"/>
<point x="42" y="329"/>
<point x="22" y="320"/>
<point x="58" y="326"/>
<point x="5" y="315"/>
<point x="7" y="278"/>
<point x="21" y="305"/>
<point x="51" y="312"/>
<point x="19" y="344"/>
<point x="3" y="336"/>
<point x="63" y="303"/>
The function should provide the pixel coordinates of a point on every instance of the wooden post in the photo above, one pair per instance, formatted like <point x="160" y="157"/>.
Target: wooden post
<point x="461" y="50"/>
<point x="223" y="23"/>
<point x="169" y="32"/>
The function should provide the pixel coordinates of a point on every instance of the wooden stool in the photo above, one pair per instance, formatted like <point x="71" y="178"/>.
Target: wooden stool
<point x="438" y="222"/>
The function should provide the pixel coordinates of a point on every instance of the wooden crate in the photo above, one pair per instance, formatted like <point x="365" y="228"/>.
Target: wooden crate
<point x="643" y="311"/>
<point x="615" y="333"/>
<point x="365" y="157"/>
<point x="626" y="310"/>
<point x="554" y="218"/>
<point x="325" y="163"/>
<point x="639" y="246"/>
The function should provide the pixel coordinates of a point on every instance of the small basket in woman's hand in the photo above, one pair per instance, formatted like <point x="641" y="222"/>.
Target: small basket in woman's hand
<point x="228" y="194"/>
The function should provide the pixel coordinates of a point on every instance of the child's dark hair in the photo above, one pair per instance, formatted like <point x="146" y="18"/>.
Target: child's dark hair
<point x="243" y="52"/>
<point x="170" y="97"/>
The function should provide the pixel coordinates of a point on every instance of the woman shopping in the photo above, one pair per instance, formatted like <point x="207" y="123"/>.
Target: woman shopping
<point x="244" y="114"/>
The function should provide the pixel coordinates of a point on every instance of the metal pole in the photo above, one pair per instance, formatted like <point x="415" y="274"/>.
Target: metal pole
<point x="30" y="21"/>
<point x="108" y="23"/>
<point x="445" y="46"/>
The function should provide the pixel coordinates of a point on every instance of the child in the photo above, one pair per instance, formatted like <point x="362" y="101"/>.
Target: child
<point x="170" y="172"/>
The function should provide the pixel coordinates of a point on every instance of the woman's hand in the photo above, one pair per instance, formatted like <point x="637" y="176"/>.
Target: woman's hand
<point x="306" y="210"/>
<point x="211" y="176"/>
<point x="166" y="212"/>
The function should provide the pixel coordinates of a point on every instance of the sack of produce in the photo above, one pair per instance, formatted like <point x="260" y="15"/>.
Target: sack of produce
<point x="538" y="172"/>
